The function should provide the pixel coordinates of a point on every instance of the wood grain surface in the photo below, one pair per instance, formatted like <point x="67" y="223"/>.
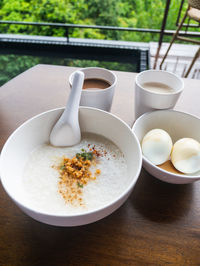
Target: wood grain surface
<point x="158" y="225"/>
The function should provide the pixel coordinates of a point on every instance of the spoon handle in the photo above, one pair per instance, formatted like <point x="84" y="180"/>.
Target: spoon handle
<point x="66" y="131"/>
<point x="75" y="95"/>
<point x="71" y="111"/>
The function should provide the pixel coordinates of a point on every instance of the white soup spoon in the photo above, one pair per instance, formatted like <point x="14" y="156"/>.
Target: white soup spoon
<point x="66" y="131"/>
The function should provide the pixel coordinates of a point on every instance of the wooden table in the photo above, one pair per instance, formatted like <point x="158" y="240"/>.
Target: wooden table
<point x="158" y="225"/>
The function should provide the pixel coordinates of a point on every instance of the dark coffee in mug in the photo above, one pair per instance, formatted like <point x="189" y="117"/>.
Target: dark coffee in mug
<point x="95" y="84"/>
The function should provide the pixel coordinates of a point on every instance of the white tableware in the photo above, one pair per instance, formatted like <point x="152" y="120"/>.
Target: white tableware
<point x="36" y="131"/>
<point x="66" y="131"/>
<point x="146" y="100"/>
<point x="178" y="125"/>
<point x="98" y="98"/>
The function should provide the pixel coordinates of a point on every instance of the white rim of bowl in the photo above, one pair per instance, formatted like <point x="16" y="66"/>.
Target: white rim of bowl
<point x="128" y="189"/>
<point x="93" y="90"/>
<point x="184" y="176"/>
<point x="157" y="93"/>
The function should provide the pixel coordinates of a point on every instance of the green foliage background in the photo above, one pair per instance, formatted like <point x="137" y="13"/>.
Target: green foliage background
<point x="123" y="13"/>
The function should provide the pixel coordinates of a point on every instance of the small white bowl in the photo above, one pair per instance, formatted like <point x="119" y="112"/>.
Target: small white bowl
<point x="178" y="125"/>
<point x="148" y="100"/>
<point x="97" y="98"/>
<point x="36" y="131"/>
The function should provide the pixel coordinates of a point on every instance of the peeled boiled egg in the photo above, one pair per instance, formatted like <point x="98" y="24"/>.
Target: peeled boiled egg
<point x="186" y="155"/>
<point x="157" y="146"/>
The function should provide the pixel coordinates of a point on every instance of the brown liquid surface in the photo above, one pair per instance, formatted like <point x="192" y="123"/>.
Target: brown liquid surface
<point x="168" y="166"/>
<point x="95" y="84"/>
<point x="157" y="87"/>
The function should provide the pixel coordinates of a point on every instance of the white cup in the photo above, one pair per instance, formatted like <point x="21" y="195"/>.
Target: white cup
<point x="98" y="98"/>
<point x="147" y="101"/>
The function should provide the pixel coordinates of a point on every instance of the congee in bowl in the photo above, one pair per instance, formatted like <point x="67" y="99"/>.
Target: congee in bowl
<point x="72" y="185"/>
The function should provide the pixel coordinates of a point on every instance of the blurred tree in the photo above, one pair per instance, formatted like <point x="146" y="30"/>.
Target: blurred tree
<point x="125" y="13"/>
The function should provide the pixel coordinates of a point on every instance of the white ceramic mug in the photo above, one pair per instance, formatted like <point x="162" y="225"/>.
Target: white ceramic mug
<point x="146" y="100"/>
<point x="98" y="98"/>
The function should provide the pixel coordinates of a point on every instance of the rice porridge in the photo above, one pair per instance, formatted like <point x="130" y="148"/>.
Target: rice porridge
<point x="47" y="188"/>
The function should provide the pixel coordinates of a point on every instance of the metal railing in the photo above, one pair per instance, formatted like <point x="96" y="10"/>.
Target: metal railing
<point x="95" y="27"/>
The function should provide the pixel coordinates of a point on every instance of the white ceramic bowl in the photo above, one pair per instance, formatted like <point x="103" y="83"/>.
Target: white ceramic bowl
<point x="36" y="131"/>
<point x="147" y="100"/>
<point x="178" y="125"/>
<point x="97" y="98"/>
